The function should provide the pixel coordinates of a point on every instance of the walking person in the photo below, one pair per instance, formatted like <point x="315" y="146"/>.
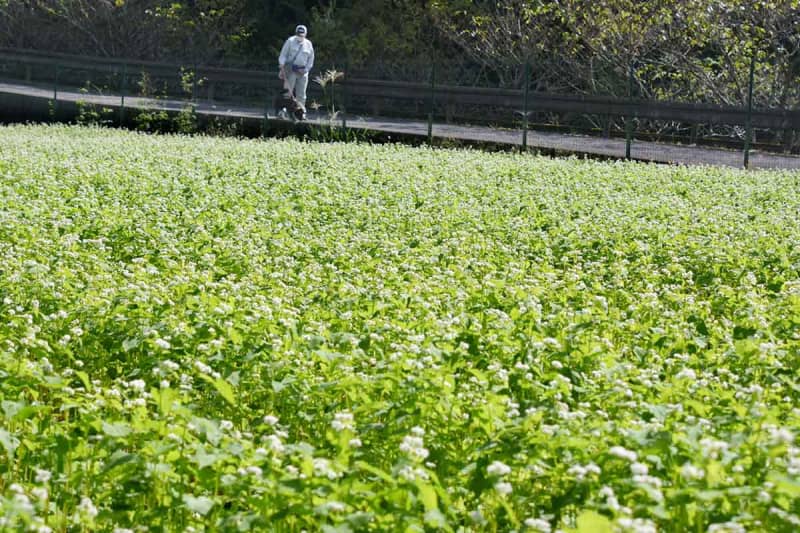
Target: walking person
<point x="296" y="60"/>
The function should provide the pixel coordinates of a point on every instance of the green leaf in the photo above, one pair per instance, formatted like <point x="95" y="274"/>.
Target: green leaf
<point x="130" y="344"/>
<point x="209" y="429"/>
<point x="698" y="407"/>
<point x="593" y="522"/>
<point x="427" y="495"/>
<point x="119" y="458"/>
<point x="786" y="485"/>
<point x="11" y="408"/>
<point x="117" y="429"/>
<point x="204" y="459"/>
<point x="340" y="528"/>
<point x="222" y="387"/>
<point x="278" y="386"/>
<point x="225" y="390"/>
<point x="9" y="442"/>
<point x="360" y="520"/>
<point x="84" y="377"/>
<point x="361" y="465"/>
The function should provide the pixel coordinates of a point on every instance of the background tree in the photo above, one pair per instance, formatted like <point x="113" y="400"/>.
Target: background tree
<point x="97" y="27"/>
<point x="693" y="50"/>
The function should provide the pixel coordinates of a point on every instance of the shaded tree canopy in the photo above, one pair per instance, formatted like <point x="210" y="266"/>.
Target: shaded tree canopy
<point x="696" y="50"/>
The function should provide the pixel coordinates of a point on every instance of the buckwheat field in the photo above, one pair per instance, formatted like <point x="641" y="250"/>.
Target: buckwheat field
<point x="203" y="334"/>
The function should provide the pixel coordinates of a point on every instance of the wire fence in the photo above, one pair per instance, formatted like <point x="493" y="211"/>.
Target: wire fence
<point x="428" y="106"/>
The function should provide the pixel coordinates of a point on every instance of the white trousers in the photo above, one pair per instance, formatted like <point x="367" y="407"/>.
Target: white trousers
<point x="297" y="83"/>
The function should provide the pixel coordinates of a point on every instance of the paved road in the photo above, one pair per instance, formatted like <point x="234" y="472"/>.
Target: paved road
<point x="580" y="144"/>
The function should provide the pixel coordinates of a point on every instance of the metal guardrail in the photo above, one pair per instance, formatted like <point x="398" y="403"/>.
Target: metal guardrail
<point x="427" y="93"/>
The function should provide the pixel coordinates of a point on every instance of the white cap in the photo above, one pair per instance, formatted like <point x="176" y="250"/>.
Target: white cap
<point x="301" y="30"/>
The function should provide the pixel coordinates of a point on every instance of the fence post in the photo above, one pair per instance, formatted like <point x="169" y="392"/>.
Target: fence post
<point x="267" y="101"/>
<point x="55" y="91"/>
<point x="343" y="110"/>
<point x="194" y="82"/>
<point x="629" y="118"/>
<point x="332" y="108"/>
<point x="123" y="88"/>
<point x="788" y="140"/>
<point x="431" y="100"/>
<point x="525" y="108"/>
<point x="748" y="137"/>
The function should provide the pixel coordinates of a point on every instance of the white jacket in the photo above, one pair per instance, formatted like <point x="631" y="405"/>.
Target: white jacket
<point x="296" y="52"/>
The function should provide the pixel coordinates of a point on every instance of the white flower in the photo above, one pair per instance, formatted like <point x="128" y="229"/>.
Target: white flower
<point x="538" y="524"/>
<point x="712" y="447"/>
<point x="498" y="469"/>
<point x="580" y="471"/>
<point x="322" y="468"/>
<point x="503" y="487"/>
<point x="418" y="431"/>
<point x="336" y="507"/>
<point x="40" y="493"/>
<point x="254" y="471"/>
<point x="270" y="420"/>
<point x="343" y="421"/>
<point x="274" y="443"/>
<point x="410" y="473"/>
<point x="637" y="525"/>
<point x="639" y="469"/>
<point x="689" y="471"/>
<point x="623" y="453"/>
<point x="164" y="384"/>
<point x="226" y="425"/>
<point x="414" y="447"/>
<point x="137" y="385"/>
<point x="607" y="493"/>
<point x="161" y="343"/>
<point x="355" y="443"/>
<point x="781" y="436"/>
<point x="686" y="373"/>
<point x="47" y="367"/>
<point x="202" y="367"/>
<point x="136" y="402"/>
<point x="87" y="507"/>
<point x="43" y="476"/>
<point x="726" y="527"/>
<point x="22" y="502"/>
<point x="477" y="517"/>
